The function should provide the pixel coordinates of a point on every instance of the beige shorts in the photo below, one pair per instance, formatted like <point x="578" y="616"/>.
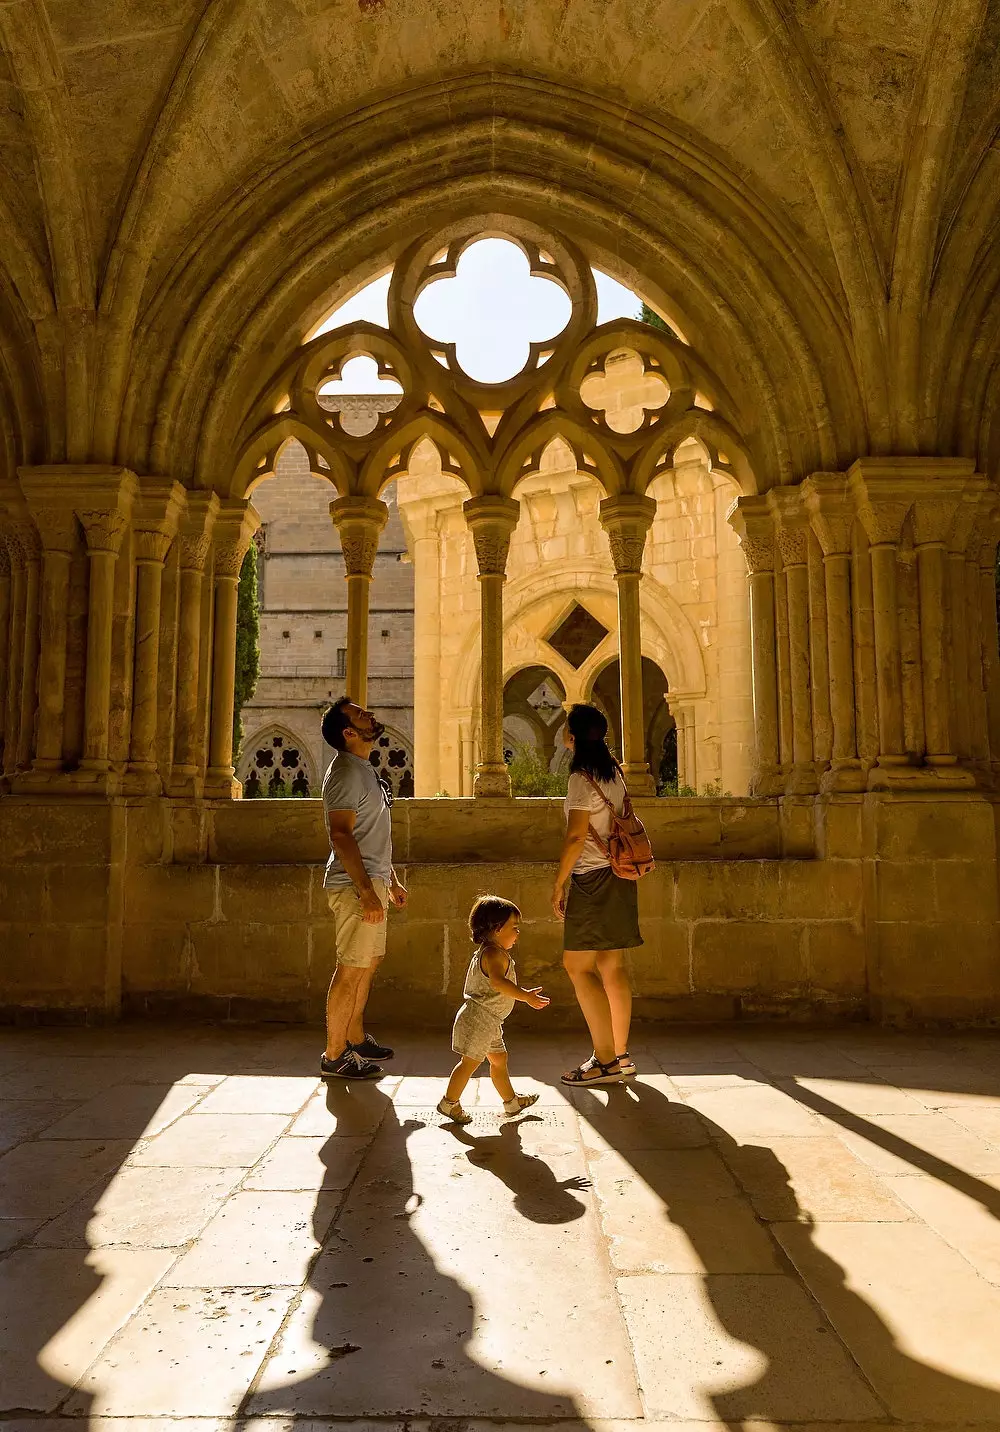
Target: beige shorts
<point x="359" y="944"/>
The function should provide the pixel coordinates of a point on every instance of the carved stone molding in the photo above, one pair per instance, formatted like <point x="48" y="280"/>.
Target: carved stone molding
<point x="831" y="511"/>
<point x="150" y="545"/>
<point x="194" y="553"/>
<point x="627" y="520"/>
<point x="491" y="521"/>
<point x="104" y="530"/>
<point x="753" y="522"/>
<point x="232" y="534"/>
<point x="359" y="522"/>
<point x="57" y="528"/>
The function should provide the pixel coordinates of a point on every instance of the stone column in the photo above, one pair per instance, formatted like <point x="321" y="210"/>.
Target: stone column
<point x="792" y="537"/>
<point x="420" y="519"/>
<point x="29" y="658"/>
<point x="989" y="640"/>
<point x="627" y="520"/>
<point x="234" y="528"/>
<point x="58" y="532"/>
<point x="195" y="539"/>
<point x="832" y="514"/>
<point x="882" y="507"/>
<point x="491" y="520"/>
<point x="5" y="637"/>
<point x="753" y="523"/>
<point x="359" y="520"/>
<point x="104" y="531"/>
<point x="155" y="522"/>
<point x="15" y="651"/>
<point x="933" y="519"/>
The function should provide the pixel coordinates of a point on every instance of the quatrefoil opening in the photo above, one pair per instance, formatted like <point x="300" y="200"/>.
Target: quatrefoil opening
<point x="624" y="391"/>
<point x="494" y="294"/>
<point x="359" y="396"/>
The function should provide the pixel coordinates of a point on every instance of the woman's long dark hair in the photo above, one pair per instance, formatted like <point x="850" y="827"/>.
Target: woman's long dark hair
<point x="589" y="729"/>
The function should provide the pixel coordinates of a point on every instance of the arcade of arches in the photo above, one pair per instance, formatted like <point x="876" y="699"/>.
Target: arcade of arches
<point x="762" y="535"/>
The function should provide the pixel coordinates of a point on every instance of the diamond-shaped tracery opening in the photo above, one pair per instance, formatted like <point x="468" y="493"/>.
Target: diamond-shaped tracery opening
<point x="624" y="391"/>
<point x="359" y="377"/>
<point x="546" y="701"/>
<point x="492" y="310"/>
<point x="577" y="636"/>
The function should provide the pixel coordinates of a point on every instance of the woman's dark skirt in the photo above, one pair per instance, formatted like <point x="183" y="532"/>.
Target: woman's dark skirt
<point x="602" y="912"/>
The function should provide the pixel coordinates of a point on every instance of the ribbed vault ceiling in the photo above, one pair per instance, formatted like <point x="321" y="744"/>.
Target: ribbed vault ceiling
<point x="814" y="186"/>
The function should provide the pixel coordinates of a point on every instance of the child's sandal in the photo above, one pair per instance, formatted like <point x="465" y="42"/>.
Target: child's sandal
<point x="583" y="1074"/>
<point x="452" y="1109"/>
<point x="517" y="1105"/>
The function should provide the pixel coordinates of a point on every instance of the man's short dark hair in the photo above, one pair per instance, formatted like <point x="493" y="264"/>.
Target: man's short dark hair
<point x="335" y="722"/>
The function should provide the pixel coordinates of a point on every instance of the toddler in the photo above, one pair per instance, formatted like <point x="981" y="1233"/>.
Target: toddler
<point x="491" y="991"/>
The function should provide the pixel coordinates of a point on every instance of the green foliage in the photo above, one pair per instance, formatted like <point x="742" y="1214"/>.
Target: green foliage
<point x="712" y="789"/>
<point x="530" y="776"/>
<point x="247" y="644"/>
<point x="646" y="315"/>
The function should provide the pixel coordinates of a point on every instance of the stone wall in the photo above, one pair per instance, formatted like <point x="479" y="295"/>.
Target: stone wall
<point x="844" y="907"/>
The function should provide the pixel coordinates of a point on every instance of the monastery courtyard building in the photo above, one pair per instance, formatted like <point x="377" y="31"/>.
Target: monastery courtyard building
<point x="750" y="511"/>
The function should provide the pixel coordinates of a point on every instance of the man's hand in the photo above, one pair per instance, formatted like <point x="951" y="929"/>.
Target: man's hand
<point x="397" y="894"/>
<point x="372" y="909"/>
<point x="558" y="902"/>
<point x="535" y="998"/>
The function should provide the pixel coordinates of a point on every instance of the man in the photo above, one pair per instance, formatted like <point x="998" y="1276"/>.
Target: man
<point x="360" y="884"/>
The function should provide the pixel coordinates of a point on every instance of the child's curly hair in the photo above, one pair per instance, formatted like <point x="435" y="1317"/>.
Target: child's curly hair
<point x="488" y="915"/>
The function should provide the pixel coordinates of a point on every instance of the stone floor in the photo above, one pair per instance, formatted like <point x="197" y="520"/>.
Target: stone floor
<point x="762" y="1230"/>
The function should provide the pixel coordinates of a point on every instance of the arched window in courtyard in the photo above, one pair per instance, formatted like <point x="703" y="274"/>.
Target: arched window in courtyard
<point x="276" y="764"/>
<point x="554" y="448"/>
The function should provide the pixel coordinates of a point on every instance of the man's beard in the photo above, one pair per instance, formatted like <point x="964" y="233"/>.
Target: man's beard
<point x="377" y="730"/>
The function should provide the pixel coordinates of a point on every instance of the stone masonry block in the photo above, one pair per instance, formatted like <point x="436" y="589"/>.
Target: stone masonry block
<point x="24" y="893"/>
<point x="966" y="889"/>
<point x="944" y="969"/>
<point x="69" y="831"/>
<point x="821" y="889"/>
<point x="268" y="832"/>
<point x="840" y="827"/>
<point x="661" y="966"/>
<point x="156" y="958"/>
<point x="750" y="830"/>
<point x="904" y="890"/>
<point x="78" y="894"/>
<point x="250" y="960"/>
<point x="953" y="827"/>
<point x="737" y="890"/>
<point x="836" y="958"/>
<point x="170" y="895"/>
<point x="731" y="956"/>
<point x="265" y="893"/>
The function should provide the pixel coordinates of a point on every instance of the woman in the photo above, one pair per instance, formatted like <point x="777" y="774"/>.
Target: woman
<point x="600" y="910"/>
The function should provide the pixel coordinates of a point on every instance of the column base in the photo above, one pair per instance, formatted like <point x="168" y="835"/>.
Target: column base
<point x="920" y="778"/>
<point x="767" y="781"/>
<point x="86" y="781"/>
<point x="142" y="781"/>
<point x="186" y="783"/>
<point x="847" y="775"/>
<point x="639" y="779"/>
<point x="221" y="784"/>
<point x="802" y="779"/>
<point x="492" y="782"/>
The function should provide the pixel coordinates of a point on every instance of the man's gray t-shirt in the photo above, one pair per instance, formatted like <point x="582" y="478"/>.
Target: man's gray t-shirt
<point x="351" y="784"/>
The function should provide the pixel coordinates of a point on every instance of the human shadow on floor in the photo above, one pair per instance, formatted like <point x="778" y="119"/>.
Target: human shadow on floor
<point x="382" y="1330"/>
<point x="538" y="1194"/>
<point x="806" y="1376"/>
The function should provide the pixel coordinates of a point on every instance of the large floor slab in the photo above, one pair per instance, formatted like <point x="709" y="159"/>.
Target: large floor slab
<point x="764" y="1230"/>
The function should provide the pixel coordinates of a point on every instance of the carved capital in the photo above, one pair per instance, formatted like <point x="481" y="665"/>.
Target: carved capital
<point x="23" y="542"/>
<point x="194" y="553"/>
<point x="150" y="545"/>
<point x="359" y="522"/>
<point x="627" y="520"/>
<point x="831" y="511"/>
<point x="235" y="525"/>
<point x="4" y="557"/>
<point x="57" y="528"/>
<point x="104" y="530"/>
<point x="792" y="525"/>
<point x="752" y="519"/>
<point x="933" y="520"/>
<point x="491" y="520"/>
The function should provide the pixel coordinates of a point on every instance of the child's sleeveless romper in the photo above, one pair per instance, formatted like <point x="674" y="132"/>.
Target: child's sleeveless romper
<point x="478" y="1028"/>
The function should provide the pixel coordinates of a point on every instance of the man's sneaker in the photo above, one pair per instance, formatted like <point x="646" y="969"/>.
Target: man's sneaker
<point x="370" y="1048"/>
<point x="349" y="1065"/>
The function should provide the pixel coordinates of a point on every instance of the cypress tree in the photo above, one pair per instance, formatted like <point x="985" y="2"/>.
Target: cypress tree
<point x="247" y="644"/>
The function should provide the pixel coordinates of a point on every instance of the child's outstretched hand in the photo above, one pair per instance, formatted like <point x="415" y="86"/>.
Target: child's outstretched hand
<point x="535" y="998"/>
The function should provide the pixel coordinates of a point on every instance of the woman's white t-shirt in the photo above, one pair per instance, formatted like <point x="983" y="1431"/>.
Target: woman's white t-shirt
<point x="580" y="795"/>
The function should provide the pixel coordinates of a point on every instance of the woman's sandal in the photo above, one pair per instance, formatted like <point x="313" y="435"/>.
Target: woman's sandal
<point x="626" y="1064"/>
<point x="606" y="1073"/>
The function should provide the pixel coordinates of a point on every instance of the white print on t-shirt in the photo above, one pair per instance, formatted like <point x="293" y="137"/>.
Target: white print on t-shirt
<point x="580" y="795"/>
